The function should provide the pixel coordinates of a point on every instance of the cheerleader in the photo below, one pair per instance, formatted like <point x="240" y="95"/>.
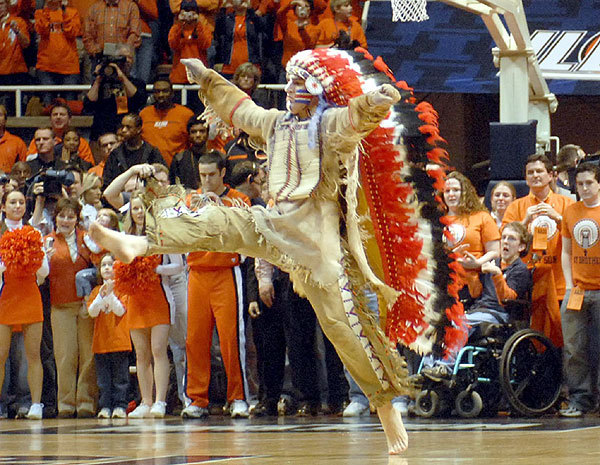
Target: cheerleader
<point x="20" y="298"/>
<point x="147" y="317"/>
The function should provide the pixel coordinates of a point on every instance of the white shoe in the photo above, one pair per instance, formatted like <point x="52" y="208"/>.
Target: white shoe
<point x="193" y="411"/>
<point x="35" y="412"/>
<point x="119" y="412"/>
<point x="141" y="411"/>
<point x="104" y="413"/>
<point x="239" y="409"/>
<point x="401" y="406"/>
<point x="356" y="409"/>
<point x="158" y="409"/>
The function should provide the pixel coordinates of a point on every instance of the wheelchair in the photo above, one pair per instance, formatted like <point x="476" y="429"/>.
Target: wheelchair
<point x="501" y="365"/>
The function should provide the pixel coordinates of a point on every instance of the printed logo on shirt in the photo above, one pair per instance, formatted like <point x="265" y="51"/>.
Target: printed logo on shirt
<point x="56" y="27"/>
<point x="544" y="221"/>
<point x="161" y="124"/>
<point x="586" y="233"/>
<point x="455" y="234"/>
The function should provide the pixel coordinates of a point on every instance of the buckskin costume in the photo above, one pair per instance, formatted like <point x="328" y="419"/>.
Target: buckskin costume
<point x="350" y="212"/>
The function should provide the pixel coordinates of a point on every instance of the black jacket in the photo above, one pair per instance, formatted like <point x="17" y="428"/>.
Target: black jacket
<point x="121" y="159"/>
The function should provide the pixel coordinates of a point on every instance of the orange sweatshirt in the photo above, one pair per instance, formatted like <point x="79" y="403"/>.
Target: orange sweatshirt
<point x="57" y="50"/>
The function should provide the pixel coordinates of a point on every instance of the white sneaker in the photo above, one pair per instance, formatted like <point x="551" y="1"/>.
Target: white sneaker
<point x="239" y="409"/>
<point x="193" y="411"/>
<point x="356" y="409"/>
<point x="401" y="406"/>
<point x="119" y="412"/>
<point x="158" y="409"/>
<point x="35" y="412"/>
<point x="141" y="411"/>
<point x="104" y="413"/>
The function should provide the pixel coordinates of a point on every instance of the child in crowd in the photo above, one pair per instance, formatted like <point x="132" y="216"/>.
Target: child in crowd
<point x="111" y="344"/>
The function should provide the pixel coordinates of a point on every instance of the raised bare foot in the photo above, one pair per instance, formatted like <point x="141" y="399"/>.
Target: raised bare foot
<point x="395" y="433"/>
<point x="123" y="246"/>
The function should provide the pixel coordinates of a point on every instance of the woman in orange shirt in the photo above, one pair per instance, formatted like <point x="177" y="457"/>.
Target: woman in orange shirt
<point x="20" y="298"/>
<point x="342" y="21"/>
<point x="72" y="329"/>
<point x="472" y="232"/>
<point x="189" y="37"/>
<point x="148" y="319"/>
<point x="57" y="60"/>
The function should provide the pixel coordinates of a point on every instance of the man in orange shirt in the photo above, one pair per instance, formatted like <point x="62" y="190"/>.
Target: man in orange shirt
<point x="58" y="27"/>
<point x="542" y="210"/>
<point x="164" y="124"/>
<point x="60" y="120"/>
<point x="581" y="320"/>
<point x="215" y="296"/>
<point x="14" y="38"/>
<point x="107" y="143"/>
<point x="11" y="147"/>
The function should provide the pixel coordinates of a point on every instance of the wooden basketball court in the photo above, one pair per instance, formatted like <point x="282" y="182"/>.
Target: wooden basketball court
<point x="312" y="441"/>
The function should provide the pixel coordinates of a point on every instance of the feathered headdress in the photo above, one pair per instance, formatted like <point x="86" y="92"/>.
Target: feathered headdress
<point x="401" y="172"/>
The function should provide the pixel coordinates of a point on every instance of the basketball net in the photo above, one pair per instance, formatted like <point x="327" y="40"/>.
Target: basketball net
<point x="409" y="10"/>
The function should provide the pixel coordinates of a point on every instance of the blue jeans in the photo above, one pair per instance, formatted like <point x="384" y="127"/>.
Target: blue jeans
<point x="144" y="56"/>
<point x="55" y="79"/>
<point x="112" y="373"/>
<point x="581" y="334"/>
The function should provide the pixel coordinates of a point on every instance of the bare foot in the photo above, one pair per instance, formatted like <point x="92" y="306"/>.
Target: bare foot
<point x="396" y="434"/>
<point x="123" y="246"/>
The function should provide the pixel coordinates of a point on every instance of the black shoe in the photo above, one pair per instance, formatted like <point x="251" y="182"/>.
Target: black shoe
<point x="336" y="408"/>
<point x="307" y="409"/>
<point x="265" y="409"/>
<point x="50" y="412"/>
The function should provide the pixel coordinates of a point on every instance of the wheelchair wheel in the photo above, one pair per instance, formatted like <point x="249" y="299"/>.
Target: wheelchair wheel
<point x="530" y="372"/>
<point x="468" y="404"/>
<point x="427" y="404"/>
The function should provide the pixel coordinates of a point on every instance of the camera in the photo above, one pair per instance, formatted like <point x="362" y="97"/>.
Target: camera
<point x="108" y="73"/>
<point x="54" y="180"/>
<point x="4" y="179"/>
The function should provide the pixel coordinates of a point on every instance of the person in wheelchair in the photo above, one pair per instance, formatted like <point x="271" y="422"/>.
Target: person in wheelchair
<point x="504" y="279"/>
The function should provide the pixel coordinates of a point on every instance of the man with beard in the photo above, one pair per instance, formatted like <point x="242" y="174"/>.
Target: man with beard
<point x="164" y="123"/>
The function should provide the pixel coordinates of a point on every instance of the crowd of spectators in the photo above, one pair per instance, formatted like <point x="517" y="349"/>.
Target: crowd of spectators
<point x="68" y="42"/>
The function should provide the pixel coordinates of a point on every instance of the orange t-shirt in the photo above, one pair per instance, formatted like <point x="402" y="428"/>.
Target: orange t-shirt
<point x="57" y="50"/>
<point x="581" y="224"/>
<point x="111" y="333"/>
<point x="475" y="229"/>
<point x="188" y="41"/>
<point x="285" y="14"/>
<point x="296" y="40"/>
<point x="148" y="13"/>
<point x="213" y="260"/>
<point x="517" y="211"/>
<point x="330" y="29"/>
<point x="84" y="152"/>
<point x="11" y="52"/>
<point x="11" y="148"/>
<point x="166" y="130"/>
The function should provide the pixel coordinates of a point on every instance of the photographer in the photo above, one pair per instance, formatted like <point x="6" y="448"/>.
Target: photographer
<point x="189" y="37"/>
<point x="114" y="92"/>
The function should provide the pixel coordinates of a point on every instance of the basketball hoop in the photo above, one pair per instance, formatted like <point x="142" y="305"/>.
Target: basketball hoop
<point x="409" y="10"/>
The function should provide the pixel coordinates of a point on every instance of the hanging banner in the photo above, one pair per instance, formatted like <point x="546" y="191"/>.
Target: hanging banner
<point x="452" y="51"/>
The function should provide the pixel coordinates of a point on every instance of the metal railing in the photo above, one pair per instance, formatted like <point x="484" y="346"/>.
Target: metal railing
<point x="18" y="90"/>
